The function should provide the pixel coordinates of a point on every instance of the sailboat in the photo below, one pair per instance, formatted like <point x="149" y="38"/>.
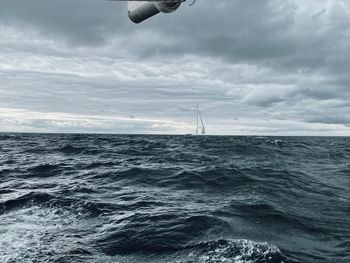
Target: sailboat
<point x="200" y="129"/>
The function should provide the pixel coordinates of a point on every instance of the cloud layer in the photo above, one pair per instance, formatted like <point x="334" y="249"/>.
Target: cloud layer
<point x="254" y="67"/>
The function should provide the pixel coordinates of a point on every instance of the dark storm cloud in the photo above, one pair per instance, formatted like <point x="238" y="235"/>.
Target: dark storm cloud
<point x="270" y="32"/>
<point x="243" y="60"/>
<point x="81" y="22"/>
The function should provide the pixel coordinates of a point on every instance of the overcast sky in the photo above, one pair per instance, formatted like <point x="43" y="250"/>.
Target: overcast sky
<point x="269" y="67"/>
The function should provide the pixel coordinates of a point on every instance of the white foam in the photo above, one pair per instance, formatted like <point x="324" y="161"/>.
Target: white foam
<point x="237" y="251"/>
<point x="33" y="233"/>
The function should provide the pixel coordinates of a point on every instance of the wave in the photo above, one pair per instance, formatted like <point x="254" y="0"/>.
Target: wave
<point x="32" y="198"/>
<point x="81" y="208"/>
<point x="209" y="178"/>
<point x="162" y="233"/>
<point x="236" y="251"/>
<point x="70" y="149"/>
<point x="205" y="179"/>
<point x="216" y="251"/>
<point x="44" y="170"/>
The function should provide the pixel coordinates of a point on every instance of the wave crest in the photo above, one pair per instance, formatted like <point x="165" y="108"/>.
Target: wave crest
<point x="236" y="251"/>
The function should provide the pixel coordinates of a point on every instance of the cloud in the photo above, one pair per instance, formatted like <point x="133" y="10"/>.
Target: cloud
<point x="272" y="67"/>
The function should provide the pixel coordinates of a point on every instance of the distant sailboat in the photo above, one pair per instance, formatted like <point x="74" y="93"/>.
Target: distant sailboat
<point x="200" y="123"/>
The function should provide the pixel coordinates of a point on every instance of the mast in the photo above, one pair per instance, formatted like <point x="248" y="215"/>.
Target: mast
<point x="197" y="121"/>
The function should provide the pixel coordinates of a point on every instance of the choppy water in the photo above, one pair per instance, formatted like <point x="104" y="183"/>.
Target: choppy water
<point x="109" y="198"/>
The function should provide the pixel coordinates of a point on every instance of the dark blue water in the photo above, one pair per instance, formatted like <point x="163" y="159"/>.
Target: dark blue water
<point x="113" y="198"/>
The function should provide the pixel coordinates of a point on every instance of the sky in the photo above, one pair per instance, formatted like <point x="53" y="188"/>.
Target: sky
<point x="267" y="67"/>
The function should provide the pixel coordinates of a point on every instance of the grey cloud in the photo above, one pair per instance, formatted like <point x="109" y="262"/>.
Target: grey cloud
<point x="79" y="22"/>
<point x="327" y="118"/>
<point x="270" y="32"/>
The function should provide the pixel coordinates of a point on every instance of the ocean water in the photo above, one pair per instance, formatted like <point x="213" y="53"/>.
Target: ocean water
<point x="120" y="198"/>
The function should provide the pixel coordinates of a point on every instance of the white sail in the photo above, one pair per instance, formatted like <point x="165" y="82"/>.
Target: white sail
<point x="203" y="128"/>
<point x="201" y="124"/>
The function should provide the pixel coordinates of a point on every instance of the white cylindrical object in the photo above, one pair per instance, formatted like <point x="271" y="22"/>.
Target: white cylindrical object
<point x="139" y="11"/>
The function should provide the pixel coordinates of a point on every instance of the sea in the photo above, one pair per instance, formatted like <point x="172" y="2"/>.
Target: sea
<point x="177" y="199"/>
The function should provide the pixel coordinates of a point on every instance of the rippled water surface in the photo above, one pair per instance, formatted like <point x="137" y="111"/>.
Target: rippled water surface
<point x="115" y="198"/>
